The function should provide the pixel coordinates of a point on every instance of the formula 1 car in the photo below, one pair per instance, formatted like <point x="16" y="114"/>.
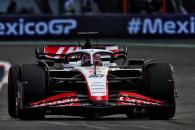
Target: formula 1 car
<point x="86" y="81"/>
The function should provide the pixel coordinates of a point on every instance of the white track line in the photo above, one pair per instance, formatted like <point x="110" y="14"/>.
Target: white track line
<point x="151" y="43"/>
<point x="7" y="65"/>
<point x="82" y="124"/>
<point x="162" y="45"/>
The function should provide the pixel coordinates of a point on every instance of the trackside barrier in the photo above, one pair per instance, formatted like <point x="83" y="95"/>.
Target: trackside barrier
<point x="109" y="26"/>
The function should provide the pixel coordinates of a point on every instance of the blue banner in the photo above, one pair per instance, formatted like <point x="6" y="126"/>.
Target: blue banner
<point x="109" y="26"/>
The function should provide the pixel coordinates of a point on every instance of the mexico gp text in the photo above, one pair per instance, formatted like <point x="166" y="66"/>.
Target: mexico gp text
<point x="161" y="26"/>
<point x="32" y="28"/>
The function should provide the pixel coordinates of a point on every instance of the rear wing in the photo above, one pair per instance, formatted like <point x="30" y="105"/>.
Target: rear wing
<point x="58" y="52"/>
<point x="55" y="52"/>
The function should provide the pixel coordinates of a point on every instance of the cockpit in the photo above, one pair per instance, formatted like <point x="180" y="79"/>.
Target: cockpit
<point x="89" y="57"/>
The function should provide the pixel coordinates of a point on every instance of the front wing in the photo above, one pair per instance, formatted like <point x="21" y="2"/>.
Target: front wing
<point x="71" y="103"/>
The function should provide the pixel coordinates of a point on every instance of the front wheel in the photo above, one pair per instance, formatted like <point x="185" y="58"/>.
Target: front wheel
<point x="159" y="82"/>
<point x="13" y="89"/>
<point x="34" y="88"/>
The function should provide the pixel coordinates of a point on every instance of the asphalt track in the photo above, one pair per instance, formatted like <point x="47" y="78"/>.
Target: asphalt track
<point x="182" y="59"/>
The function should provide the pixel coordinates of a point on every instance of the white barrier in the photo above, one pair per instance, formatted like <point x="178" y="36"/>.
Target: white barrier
<point x="7" y="66"/>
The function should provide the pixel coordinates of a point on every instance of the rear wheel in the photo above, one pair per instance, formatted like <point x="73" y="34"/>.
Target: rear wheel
<point x="34" y="89"/>
<point x="159" y="81"/>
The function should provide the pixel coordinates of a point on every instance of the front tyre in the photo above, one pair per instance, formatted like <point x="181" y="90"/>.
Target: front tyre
<point x="13" y="85"/>
<point x="34" y="89"/>
<point x="159" y="82"/>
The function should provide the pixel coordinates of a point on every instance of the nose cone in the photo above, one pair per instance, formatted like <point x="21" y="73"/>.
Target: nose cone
<point x="96" y="83"/>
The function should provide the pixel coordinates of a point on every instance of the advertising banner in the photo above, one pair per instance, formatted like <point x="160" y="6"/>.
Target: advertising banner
<point x="109" y="26"/>
<point x="167" y="26"/>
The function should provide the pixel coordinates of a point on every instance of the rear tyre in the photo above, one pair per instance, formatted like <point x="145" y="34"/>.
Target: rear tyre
<point x="159" y="80"/>
<point x="13" y="80"/>
<point x="34" y="89"/>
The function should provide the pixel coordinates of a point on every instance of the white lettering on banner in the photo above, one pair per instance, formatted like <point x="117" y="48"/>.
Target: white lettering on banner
<point x="182" y="27"/>
<point x="56" y="27"/>
<point x="152" y="27"/>
<point x="192" y="24"/>
<point x="159" y="26"/>
<point x="11" y="28"/>
<point x="21" y="26"/>
<point x="53" y="27"/>
<point x="41" y="28"/>
<point x="2" y="29"/>
<point x="29" y="28"/>
<point x="170" y="27"/>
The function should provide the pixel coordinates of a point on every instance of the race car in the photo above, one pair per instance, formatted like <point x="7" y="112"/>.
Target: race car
<point x="85" y="80"/>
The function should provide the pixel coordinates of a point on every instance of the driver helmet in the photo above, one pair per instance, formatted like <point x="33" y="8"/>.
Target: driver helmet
<point x="85" y="60"/>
